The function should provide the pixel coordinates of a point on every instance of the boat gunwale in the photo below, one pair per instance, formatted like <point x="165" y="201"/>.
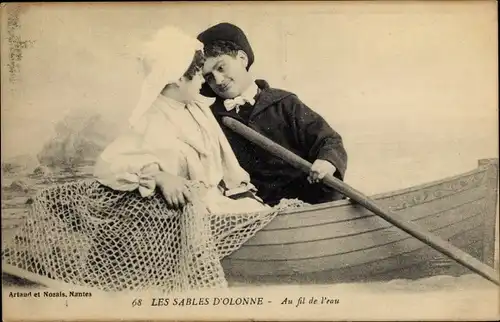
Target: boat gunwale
<point x="387" y="226"/>
<point x="399" y="239"/>
<point x="384" y="195"/>
<point x="370" y="214"/>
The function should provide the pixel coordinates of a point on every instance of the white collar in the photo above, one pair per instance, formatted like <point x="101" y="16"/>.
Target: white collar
<point x="248" y="96"/>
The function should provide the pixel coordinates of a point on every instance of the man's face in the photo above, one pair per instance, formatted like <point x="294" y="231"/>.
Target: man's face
<point x="227" y="75"/>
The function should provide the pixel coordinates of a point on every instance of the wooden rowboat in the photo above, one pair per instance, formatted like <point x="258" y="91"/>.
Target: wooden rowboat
<point x="341" y="242"/>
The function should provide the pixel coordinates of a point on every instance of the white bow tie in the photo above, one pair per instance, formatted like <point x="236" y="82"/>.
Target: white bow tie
<point x="236" y="102"/>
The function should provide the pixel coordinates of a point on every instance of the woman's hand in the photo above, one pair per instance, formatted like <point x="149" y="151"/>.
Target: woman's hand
<point x="174" y="189"/>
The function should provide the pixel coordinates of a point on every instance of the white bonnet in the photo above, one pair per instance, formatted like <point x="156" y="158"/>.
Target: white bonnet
<point x="165" y="58"/>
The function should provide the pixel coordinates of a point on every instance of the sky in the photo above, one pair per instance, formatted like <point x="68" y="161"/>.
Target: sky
<point x="411" y="87"/>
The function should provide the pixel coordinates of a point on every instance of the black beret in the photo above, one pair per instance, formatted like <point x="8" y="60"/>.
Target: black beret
<point x="228" y="32"/>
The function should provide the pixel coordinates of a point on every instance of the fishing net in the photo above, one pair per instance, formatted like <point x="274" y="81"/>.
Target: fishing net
<point x="86" y="234"/>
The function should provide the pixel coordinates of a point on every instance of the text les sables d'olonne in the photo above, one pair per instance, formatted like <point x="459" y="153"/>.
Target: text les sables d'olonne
<point x="236" y="301"/>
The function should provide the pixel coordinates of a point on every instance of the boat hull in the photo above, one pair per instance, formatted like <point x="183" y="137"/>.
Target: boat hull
<point x="342" y="242"/>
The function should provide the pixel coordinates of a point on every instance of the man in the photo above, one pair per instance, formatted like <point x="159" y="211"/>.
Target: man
<point x="275" y="113"/>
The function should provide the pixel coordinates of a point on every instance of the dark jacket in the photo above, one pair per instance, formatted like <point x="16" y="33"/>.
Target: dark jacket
<point x="283" y="118"/>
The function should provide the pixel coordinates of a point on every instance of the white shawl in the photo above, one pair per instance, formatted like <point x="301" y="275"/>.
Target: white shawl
<point x="182" y="140"/>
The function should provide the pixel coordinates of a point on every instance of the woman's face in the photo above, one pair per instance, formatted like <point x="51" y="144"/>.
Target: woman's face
<point x="190" y="89"/>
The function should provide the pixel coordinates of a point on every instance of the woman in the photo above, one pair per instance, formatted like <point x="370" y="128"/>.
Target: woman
<point x="115" y="233"/>
<point x="174" y="141"/>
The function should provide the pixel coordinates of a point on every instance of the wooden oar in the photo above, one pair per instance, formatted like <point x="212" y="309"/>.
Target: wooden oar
<point x="407" y="226"/>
